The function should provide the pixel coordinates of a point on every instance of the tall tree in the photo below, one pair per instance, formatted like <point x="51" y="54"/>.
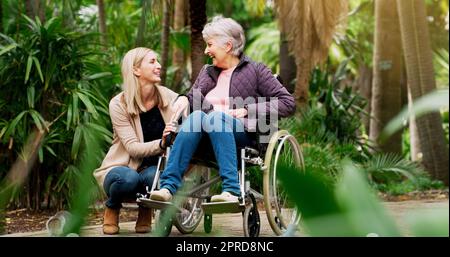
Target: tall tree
<point x="287" y="65"/>
<point x="387" y="73"/>
<point x="363" y="86"/>
<point x="178" y="57"/>
<point x="309" y="26"/>
<point x="102" y="22"/>
<point x="197" y="14"/>
<point x="421" y="80"/>
<point x="165" y="40"/>
<point x="142" y="23"/>
<point x="35" y="8"/>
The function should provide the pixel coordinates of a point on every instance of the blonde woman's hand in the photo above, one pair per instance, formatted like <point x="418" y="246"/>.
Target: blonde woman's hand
<point x="170" y="128"/>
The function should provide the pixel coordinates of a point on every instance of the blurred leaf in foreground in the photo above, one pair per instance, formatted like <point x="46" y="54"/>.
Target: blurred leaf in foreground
<point x="350" y="211"/>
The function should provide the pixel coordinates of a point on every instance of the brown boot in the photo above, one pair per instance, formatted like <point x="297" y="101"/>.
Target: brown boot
<point x="144" y="220"/>
<point x="111" y="221"/>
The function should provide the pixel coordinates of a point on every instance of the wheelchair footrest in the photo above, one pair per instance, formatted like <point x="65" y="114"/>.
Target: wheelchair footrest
<point x="223" y="207"/>
<point x="148" y="203"/>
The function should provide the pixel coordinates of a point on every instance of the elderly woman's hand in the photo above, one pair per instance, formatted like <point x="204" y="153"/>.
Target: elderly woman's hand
<point x="238" y="113"/>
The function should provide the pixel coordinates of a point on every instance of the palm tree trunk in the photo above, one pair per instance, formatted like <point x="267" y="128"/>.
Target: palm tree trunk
<point x="304" y="68"/>
<point x="41" y="12"/>
<point x="197" y="14"/>
<point x="178" y="57"/>
<point x="35" y="8"/>
<point x="421" y="80"/>
<point x="142" y="23"/>
<point x="364" y="87"/>
<point x="387" y="72"/>
<point x="413" y="133"/>
<point x="165" y="40"/>
<point x="288" y="69"/>
<point x="102" y="22"/>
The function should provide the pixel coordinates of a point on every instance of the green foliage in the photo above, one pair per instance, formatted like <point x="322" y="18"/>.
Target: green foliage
<point x="85" y="188"/>
<point x="441" y="67"/>
<point x="50" y="81"/>
<point x="333" y="116"/>
<point x="389" y="167"/>
<point x="341" y="108"/>
<point x="422" y="182"/>
<point x="351" y="208"/>
<point x="431" y="102"/>
<point x="357" y="41"/>
<point x="264" y="45"/>
<point x="329" y="131"/>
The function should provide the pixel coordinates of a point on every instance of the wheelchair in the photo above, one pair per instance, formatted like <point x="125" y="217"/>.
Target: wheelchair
<point x="195" y="205"/>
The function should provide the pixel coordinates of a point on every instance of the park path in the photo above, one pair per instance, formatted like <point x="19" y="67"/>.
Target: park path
<point x="230" y="225"/>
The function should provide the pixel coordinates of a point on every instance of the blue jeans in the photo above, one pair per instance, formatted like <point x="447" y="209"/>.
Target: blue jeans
<point x="123" y="183"/>
<point x="225" y="134"/>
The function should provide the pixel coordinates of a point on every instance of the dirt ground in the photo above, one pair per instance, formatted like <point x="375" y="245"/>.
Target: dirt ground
<point x="22" y="220"/>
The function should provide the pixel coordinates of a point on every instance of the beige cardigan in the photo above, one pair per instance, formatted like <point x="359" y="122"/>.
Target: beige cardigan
<point x="128" y="147"/>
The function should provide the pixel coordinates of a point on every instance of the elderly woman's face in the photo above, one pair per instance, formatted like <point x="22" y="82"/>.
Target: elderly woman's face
<point x="150" y="69"/>
<point x="218" y="52"/>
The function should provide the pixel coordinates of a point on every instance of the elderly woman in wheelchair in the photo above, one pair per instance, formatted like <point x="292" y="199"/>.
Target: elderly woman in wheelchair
<point x="232" y="75"/>
<point x="228" y="98"/>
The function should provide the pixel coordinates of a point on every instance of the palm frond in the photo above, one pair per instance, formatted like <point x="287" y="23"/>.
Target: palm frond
<point x="383" y="166"/>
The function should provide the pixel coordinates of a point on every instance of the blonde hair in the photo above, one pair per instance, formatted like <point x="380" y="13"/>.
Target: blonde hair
<point x="131" y="87"/>
<point x="224" y="30"/>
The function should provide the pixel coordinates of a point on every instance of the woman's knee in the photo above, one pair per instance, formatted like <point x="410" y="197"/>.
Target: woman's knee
<point x="122" y="178"/>
<point x="147" y="176"/>
<point x="217" y="121"/>
<point x="193" y="122"/>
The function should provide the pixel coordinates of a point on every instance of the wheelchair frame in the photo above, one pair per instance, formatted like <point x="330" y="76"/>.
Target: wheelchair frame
<point x="247" y="201"/>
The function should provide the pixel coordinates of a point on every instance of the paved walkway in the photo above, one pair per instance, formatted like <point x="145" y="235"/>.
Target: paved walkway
<point x="230" y="225"/>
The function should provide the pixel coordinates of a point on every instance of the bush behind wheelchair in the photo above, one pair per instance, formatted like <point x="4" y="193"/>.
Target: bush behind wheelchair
<point x="192" y="202"/>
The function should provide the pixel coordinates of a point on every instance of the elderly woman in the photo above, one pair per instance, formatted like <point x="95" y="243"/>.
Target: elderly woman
<point x="139" y="116"/>
<point x="216" y="112"/>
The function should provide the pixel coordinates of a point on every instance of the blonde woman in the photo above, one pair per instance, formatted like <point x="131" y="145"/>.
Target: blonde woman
<point x="141" y="116"/>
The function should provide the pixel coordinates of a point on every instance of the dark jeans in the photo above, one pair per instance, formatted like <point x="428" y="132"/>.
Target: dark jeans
<point x="123" y="183"/>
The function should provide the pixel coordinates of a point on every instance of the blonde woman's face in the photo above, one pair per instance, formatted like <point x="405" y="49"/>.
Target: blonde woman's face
<point x="217" y="52"/>
<point x="150" y="70"/>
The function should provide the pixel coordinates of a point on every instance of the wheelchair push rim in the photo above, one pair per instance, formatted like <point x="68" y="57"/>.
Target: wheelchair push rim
<point x="281" y="212"/>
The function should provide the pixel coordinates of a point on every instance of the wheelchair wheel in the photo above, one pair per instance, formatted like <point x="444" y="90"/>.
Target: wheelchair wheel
<point x="280" y="211"/>
<point x="189" y="218"/>
<point x="251" y="219"/>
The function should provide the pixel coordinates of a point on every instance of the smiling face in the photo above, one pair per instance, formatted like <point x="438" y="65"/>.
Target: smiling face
<point x="217" y="52"/>
<point x="149" y="71"/>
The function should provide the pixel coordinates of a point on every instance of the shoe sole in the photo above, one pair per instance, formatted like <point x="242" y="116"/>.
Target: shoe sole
<point x="224" y="201"/>
<point x="159" y="198"/>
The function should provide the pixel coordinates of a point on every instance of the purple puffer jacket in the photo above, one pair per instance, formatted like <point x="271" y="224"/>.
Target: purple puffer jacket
<point x="261" y="93"/>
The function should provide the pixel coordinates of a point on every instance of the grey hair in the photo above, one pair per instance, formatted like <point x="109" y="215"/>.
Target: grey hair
<point x="224" y="30"/>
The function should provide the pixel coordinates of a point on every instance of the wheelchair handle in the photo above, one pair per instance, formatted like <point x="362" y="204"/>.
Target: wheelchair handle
<point x="170" y="138"/>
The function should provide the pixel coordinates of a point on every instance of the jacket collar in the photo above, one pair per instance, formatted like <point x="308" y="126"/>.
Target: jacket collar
<point x="214" y="71"/>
